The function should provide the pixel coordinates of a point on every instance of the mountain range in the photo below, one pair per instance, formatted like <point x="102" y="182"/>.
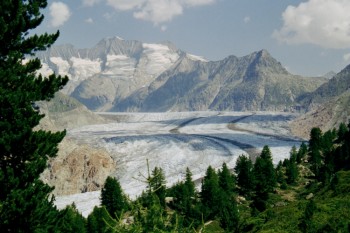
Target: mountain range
<point x="122" y="75"/>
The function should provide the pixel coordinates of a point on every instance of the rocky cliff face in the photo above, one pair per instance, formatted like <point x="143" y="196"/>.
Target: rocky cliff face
<point x="78" y="167"/>
<point x="118" y="75"/>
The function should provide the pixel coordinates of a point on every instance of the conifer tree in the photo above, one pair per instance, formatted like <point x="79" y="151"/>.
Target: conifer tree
<point x="264" y="172"/>
<point x="265" y="179"/>
<point x="228" y="212"/>
<point x="245" y="177"/>
<point x="227" y="181"/>
<point x="100" y="221"/>
<point x="210" y="193"/>
<point x="301" y="152"/>
<point x="315" y="145"/>
<point x="71" y="221"/>
<point x="24" y="202"/>
<point x="157" y="184"/>
<point x="189" y="184"/>
<point x="291" y="167"/>
<point x="113" y="198"/>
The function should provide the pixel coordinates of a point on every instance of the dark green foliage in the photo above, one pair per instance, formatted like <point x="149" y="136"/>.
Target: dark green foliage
<point x="113" y="198"/>
<point x="279" y="173"/>
<point x="99" y="221"/>
<point x="71" y="221"/>
<point x="228" y="213"/>
<point x="291" y="167"/>
<point x="265" y="179"/>
<point x="301" y="152"/>
<point x="306" y="224"/>
<point x="264" y="172"/>
<point x="185" y="201"/>
<point x="342" y="153"/>
<point x="315" y="145"/>
<point x="189" y="184"/>
<point x="342" y="132"/>
<point x="23" y="152"/>
<point x="245" y="177"/>
<point x="157" y="184"/>
<point x="226" y="180"/>
<point x="210" y="193"/>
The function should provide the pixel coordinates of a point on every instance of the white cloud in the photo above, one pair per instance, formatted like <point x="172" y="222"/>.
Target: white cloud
<point x="325" y="23"/>
<point x="59" y="13"/>
<point x="89" y="20"/>
<point x="156" y="11"/>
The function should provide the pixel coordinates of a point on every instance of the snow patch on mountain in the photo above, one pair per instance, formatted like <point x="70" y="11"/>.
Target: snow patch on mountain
<point x="196" y="58"/>
<point x="159" y="58"/>
<point x="62" y="65"/>
<point x="119" y="66"/>
<point x="83" y="68"/>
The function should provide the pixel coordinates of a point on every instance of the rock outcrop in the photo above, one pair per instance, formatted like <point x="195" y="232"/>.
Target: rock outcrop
<point x="78" y="168"/>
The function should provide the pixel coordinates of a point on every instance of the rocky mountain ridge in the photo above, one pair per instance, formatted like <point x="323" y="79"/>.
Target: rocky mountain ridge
<point x="121" y="75"/>
<point x="327" y="106"/>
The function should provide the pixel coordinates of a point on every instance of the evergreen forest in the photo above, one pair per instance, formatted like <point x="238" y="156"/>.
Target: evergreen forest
<point x="308" y="192"/>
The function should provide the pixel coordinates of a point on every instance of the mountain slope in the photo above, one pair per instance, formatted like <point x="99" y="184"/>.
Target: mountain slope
<point x="119" y="75"/>
<point x="335" y="87"/>
<point x="253" y="82"/>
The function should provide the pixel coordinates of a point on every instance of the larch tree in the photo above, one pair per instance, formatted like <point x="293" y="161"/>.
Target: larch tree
<point x="157" y="184"/>
<point x="24" y="199"/>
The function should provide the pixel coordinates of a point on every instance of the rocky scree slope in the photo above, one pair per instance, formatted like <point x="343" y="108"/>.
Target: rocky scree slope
<point x="327" y="106"/>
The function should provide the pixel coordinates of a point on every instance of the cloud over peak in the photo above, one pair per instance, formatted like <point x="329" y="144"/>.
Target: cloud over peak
<point x="325" y="23"/>
<point x="156" y="11"/>
<point x="59" y="13"/>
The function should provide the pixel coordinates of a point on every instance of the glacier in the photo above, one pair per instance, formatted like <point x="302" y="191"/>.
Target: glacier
<point x="177" y="140"/>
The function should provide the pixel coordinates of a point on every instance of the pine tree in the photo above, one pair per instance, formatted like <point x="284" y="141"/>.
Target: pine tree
<point x="113" y="198"/>
<point x="189" y="184"/>
<point x="25" y="206"/>
<point x="228" y="212"/>
<point x="245" y="177"/>
<point x="210" y="193"/>
<point x="291" y="166"/>
<point x="315" y="145"/>
<point x="264" y="172"/>
<point x="265" y="179"/>
<point x="227" y="181"/>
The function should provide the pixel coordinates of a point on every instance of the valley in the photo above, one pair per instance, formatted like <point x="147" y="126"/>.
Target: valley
<point x="176" y="140"/>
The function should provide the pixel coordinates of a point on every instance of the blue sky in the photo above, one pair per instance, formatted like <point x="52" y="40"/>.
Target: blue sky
<point x="309" y="37"/>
